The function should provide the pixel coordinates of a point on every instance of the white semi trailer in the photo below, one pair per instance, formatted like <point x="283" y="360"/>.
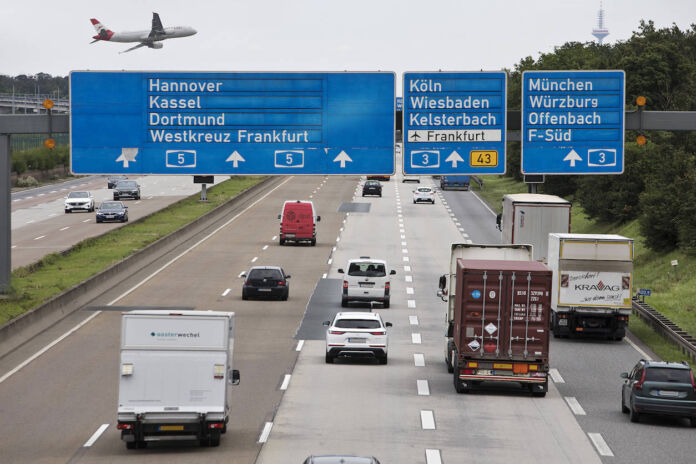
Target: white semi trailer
<point x="592" y="284"/>
<point x="175" y="376"/>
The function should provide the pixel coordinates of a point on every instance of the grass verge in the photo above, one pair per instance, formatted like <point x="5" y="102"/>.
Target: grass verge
<point x="56" y="272"/>
<point x="673" y="295"/>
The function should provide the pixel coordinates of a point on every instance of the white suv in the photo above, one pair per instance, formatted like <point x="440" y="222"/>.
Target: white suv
<point x="366" y="281"/>
<point x="358" y="334"/>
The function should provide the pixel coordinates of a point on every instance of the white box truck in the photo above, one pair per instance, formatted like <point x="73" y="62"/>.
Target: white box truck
<point x="531" y="217"/>
<point x="593" y="276"/>
<point x="448" y="282"/>
<point x="175" y="376"/>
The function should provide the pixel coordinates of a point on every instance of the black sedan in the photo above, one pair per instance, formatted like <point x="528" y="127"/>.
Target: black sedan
<point x="112" y="211"/>
<point x="111" y="181"/>
<point x="372" y="187"/>
<point x="265" y="282"/>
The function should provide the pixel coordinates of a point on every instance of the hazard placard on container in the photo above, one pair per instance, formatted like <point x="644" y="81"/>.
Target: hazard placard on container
<point x="474" y="345"/>
<point x="491" y="328"/>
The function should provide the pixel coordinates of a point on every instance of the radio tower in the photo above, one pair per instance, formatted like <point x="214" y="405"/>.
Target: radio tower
<point x="600" y="31"/>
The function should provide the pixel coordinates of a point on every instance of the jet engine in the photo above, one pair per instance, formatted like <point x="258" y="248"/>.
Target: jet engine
<point x="155" y="45"/>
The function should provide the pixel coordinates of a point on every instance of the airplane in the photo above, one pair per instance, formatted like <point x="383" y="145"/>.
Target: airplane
<point x="149" y="39"/>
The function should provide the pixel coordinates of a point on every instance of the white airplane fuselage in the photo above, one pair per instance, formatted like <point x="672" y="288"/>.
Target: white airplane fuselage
<point x="144" y="36"/>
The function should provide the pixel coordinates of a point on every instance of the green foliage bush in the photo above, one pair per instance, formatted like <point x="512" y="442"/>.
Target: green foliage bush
<point x="42" y="159"/>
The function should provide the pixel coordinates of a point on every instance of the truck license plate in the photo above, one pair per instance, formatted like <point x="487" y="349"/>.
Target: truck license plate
<point x="563" y="322"/>
<point x="171" y="428"/>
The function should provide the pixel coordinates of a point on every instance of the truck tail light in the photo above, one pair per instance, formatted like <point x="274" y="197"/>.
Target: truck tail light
<point x="122" y="426"/>
<point x="520" y="368"/>
<point x="336" y="332"/>
<point x="216" y="425"/>
<point x="219" y="371"/>
<point x="387" y="285"/>
<point x="639" y="385"/>
<point x="467" y="371"/>
<point x="623" y="318"/>
<point x="126" y="369"/>
<point x="473" y="364"/>
<point x="378" y="333"/>
<point x="533" y="367"/>
<point x="345" y="284"/>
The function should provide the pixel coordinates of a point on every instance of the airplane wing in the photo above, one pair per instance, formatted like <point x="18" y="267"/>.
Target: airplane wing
<point x="142" y="44"/>
<point x="157" y="29"/>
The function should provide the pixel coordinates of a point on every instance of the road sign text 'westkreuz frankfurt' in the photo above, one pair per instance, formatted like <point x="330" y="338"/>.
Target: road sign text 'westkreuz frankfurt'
<point x="232" y="123"/>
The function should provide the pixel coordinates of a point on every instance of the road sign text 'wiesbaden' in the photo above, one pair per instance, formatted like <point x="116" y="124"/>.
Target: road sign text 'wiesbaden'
<point x="232" y="123"/>
<point x="454" y="123"/>
<point x="573" y="122"/>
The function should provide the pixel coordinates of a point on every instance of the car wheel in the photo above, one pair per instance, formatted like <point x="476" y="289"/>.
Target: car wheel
<point x="329" y="358"/>
<point x="344" y="303"/>
<point x="624" y="409"/>
<point x="313" y="242"/>
<point x="449" y="357"/>
<point x="141" y="444"/>
<point x="244" y="295"/>
<point x="386" y="303"/>
<point x="383" y="359"/>
<point x="115" y="198"/>
<point x="281" y="241"/>
<point x="98" y="220"/>
<point x="414" y="202"/>
<point x="138" y="198"/>
<point x="285" y="296"/>
<point x="380" y="195"/>
<point x="693" y="421"/>
<point x="633" y="414"/>
<point x="67" y="211"/>
<point x="458" y="385"/>
<point x="130" y="445"/>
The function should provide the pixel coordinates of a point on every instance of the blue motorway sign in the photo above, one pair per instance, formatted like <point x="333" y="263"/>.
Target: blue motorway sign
<point x="232" y="123"/>
<point x="454" y="123"/>
<point x="644" y="291"/>
<point x="573" y="122"/>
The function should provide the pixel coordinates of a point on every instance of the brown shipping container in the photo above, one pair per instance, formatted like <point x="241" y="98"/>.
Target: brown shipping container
<point x="502" y="311"/>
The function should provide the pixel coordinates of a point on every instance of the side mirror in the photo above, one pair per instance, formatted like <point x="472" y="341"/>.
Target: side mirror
<point x="624" y="375"/>
<point x="288" y="276"/>
<point x="279" y="217"/>
<point x="242" y="275"/>
<point x="125" y="207"/>
<point x="318" y="218"/>
<point x="341" y="271"/>
<point x="326" y="323"/>
<point x="392" y="272"/>
<point x="443" y="282"/>
<point x="387" y="324"/>
<point x="233" y="377"/>
<point x="498" y="221"/>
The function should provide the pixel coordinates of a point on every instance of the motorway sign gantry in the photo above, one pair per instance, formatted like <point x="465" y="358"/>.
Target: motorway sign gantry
<point x="232" y="123"/>
<point x="573" y="122"/>
<point x="454" y="122"/>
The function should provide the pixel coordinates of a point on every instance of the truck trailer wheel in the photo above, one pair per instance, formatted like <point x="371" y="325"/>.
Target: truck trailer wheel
<point x="130" y="444"/>
<point x="449" y="357"/>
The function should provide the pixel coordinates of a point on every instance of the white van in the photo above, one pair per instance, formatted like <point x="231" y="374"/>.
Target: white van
<point x="175" y="376"/>
<point x="366" y="281"/>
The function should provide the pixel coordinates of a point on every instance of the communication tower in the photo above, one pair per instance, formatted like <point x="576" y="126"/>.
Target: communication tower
<point x="600" y="32"/>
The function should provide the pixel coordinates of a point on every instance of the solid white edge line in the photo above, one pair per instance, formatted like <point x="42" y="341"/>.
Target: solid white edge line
<point x="423" y="388"/>
<point x="136" y="286"/>
<point x="299" y="345"/>
<point x="286" y="382"/>
<point x="432" y="456"/>
<point x="419" y="359"/>
<point x="601" y="445"/>
<point x="427" y="420"/>
<point x="95" y="436"/>
<point x="574" y="405"/>
<point x="265" y="432"/>
<point x="638" y="349"/>
<point x="556" y="376"/>
<point x="484" y="203"/>
<point x="226" y="292"/>
<point x="86" y="220"/>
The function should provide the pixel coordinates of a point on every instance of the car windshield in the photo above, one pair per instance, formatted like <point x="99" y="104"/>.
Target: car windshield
<point x="367" y="270"/>
<point x="371" y="183"/>
<point x="666" y="374"/>
<point x="358" y="324"/>
<point x="111" y="205"/>
<point x="116" y="177"/>
<point x="78" y="195"/>
<point x="126" y="184"/>
<point x="424" y="189"/>
<point x="265" y="274"/>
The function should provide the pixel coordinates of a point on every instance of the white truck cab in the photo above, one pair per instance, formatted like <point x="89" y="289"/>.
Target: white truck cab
<point x="366" y="280"/>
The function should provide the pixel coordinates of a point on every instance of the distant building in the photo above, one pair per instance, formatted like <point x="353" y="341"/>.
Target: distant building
<point x="600" y="32"/>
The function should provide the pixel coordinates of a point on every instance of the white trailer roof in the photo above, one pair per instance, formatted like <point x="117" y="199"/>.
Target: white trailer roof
<point x="585" y="237"/>
<point x="151" y="312"/>
<point x="535" y="198"/>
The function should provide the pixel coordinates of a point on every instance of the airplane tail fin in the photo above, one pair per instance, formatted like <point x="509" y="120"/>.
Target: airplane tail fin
<point x="102" y="32"/>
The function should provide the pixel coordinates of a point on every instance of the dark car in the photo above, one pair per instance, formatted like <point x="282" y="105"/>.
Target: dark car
<point x="265" y="282"/>
<point x="658" y="387"/>
<point x="112" y="211"/>
<point x="111" y="181"/>
<point x="379" y="177"/>
<point x="372" y="187"/>
<point x="127" y="189"/>
<point x="454" y="182"/>
<point x="341" y="459"/>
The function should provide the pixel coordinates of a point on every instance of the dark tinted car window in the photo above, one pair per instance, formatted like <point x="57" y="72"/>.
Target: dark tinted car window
<point x="265" y="274"/>
<point x="126" y="184"/>
<point x="111" y="205"/>
<point x="357" y="324"/>
<point x="367" y="270"/>
<point x="665" y="374"/>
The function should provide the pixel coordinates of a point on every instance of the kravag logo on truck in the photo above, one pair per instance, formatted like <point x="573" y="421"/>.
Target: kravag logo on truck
<point x="175" y="334"/>
<point x="600" y="286"/>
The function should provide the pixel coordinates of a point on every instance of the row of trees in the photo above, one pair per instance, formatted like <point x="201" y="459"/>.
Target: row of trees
<point x="658" y="186"/>
<point x="41" y="83"/>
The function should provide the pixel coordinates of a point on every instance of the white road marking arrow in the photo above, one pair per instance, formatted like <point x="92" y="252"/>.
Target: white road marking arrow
<point x="342" y="158"/>
<point x="235" y="157"/>
<point x="454" y="158"/>
<point x="127" y="155"/>
<point x="572" y="157"/>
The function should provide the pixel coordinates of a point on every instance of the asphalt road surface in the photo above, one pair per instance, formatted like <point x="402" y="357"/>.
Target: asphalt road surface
<point x="61" y="407"/>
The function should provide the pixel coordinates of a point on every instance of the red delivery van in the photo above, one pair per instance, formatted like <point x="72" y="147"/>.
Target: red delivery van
<point x="298" y="222"/>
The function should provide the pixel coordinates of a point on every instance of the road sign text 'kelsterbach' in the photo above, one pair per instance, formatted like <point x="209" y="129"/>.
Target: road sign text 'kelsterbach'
<point x="232" y="123"/>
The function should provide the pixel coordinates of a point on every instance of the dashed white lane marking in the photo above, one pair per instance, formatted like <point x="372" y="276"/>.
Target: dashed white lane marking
<point x="96" y="435"/>
<point x="329" y="261"/>
<point x="465" y="235"/>
<point x="30" y="221"/>
<point x="333" y="249"/>
<point x="409" y="290"/>
<point x="427" y="420"/>
<point x="53" y="191"/>
<point x="403" y="236"/>
<point x="458" y="224"/>
<point x="41" y="194"/>
<point x="405" y="259"/>
<point x="407" y="268"/>
<point x="601" y="445"/>
<point x="338" y="239"/>
<point x="265" y="247"/>
<point x="137" y="202"/>
<point x="461" y="229"/>
<point x="556" y="376"/>
<point x="18" y="199"/>
<point x="638" y="349"/>
<point x="52" y="215"/>
<point x="152" y="196"/>
<point x="416" y="338"/>
<point x="86" y="220"/>
<point x="39" y="237"/>
<point x="413" y="320"/>
<point x="265" y="432"/>
<point x="240" y="275"/>
<point x="226" y="292"/>
<point x="419" y="359"/>
<point x="323" y="276"/>
<point x="432" y="456"/>
<point x="404" y="251"/>
<point x="411" y="303"/>
<point x="574" y="406"/>
<point x="286" y="382"/>
<point x="299" y="346"/>
<point x="403" y="243"/>
<point x="14" y="246"/>
<point x="274" y="237"/>
<point x="28" y="198"/>
<point x="423" y="388"/>
<point x="254" y="259"/>
<point x="408" y="278"/>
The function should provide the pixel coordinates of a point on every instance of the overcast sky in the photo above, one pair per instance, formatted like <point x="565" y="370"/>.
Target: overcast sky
<point x="315" y="35"/>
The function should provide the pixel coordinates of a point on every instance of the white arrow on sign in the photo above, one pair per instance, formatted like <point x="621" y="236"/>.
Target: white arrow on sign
<point x="127" y="156"/>
<point x="342" y="158"/>
<point x="454" y="158"/>
<point x="572" y="157"/>
<point x="235" y="157"/>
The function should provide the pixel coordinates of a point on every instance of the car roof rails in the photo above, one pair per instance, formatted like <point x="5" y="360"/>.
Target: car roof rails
<point x="364" y="257"/>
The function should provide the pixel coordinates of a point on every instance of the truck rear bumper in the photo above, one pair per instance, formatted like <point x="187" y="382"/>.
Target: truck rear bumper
<point x="503" y="378"/>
